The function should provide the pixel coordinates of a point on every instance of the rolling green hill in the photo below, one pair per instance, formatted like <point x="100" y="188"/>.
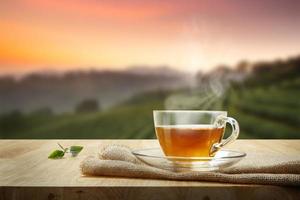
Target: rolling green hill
<point x="129" y="120"/>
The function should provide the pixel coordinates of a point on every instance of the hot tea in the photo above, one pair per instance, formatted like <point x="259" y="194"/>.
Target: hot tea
<point x="188" y="140"/>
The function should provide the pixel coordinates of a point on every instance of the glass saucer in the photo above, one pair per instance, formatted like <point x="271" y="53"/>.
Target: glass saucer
<point x="156" y="158"/>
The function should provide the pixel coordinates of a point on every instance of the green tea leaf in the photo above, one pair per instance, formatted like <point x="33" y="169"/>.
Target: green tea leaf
<point x="56" y="154"/>
<point x="75" y="150"/>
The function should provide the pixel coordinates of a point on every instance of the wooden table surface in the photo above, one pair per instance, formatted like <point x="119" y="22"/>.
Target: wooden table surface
<point x="27" y="173"/>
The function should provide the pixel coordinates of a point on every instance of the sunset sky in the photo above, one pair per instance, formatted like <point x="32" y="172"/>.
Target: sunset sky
<point x="115" y="34"/>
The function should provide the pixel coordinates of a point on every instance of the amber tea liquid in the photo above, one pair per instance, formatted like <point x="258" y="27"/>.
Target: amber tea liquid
<point x="188" y="140"/>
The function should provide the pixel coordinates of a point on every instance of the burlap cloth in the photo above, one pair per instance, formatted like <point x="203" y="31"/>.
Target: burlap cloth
<point x="255" y="168"/>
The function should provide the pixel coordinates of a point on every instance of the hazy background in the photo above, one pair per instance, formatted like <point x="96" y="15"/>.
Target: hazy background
<point x="97" y="69"/>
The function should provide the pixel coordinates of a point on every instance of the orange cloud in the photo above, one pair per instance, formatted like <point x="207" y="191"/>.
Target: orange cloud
<point x="110" y="10"/>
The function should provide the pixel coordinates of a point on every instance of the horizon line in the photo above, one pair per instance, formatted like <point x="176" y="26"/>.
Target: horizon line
<point x="49" y="71"/>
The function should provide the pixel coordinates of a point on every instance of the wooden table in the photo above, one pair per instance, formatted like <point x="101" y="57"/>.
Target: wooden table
<point x="27" y="173"/>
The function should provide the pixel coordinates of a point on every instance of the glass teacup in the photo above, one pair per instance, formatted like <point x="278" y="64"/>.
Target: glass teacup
<point x="192" y="133"/>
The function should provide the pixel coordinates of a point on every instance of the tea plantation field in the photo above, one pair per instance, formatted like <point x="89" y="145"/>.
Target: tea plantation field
<point x="263" y="112"/>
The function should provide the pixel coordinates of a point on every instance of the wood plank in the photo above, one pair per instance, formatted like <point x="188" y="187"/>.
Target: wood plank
<point x="26" y="170"/>
<point x="144" y="193"/>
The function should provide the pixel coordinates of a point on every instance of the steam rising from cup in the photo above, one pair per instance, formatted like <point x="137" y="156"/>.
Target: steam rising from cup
<point x="207" y="94"/>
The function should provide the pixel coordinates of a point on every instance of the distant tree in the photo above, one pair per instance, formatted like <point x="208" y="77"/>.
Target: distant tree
<point x="11" y="121"/>
<point x="88" y="105"/>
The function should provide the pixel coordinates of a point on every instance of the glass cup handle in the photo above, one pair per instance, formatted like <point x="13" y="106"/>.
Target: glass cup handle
<point x="234" y="135"/>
